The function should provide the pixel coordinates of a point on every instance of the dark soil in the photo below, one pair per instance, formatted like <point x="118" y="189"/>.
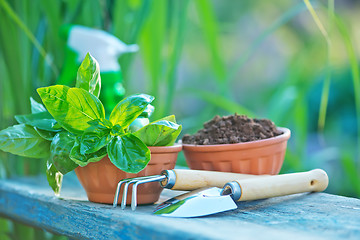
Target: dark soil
<point x="232" y="129"/>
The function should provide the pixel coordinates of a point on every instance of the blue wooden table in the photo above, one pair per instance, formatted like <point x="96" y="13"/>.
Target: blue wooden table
<point x="300" y="216"/>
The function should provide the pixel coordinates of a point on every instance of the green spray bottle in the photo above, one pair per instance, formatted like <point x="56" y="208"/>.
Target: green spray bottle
<point x="106" y="49"/>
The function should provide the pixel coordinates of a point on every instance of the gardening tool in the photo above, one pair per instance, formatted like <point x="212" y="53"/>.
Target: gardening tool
<point x="177" y="179"/>
<point x="214" y="200"/>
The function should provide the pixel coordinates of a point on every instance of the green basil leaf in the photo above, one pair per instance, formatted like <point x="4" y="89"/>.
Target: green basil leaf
<point x="83" y="159"/>
<point x="57" y="126"/>
<point x="47" y="135"/>
<point x="72" y="108"/>
<point x="24" y="141"/>
<point x="148" y="111"/>
<point x="44" y="124"/>
<point x="117" y="130"/>
<point x="170" y="118"/>
<point x="159" y="133"/>
<point x="127" y="110"/>
<point x="54" y="178"/>
<point x="41" y="120"/>
<point x="101" y="122"/>
<point x="60" y="149"/>
<point x="91" y="142"/>
<point x="88" y="75"/>
<point x="141" y="122"/>
<point x="33" y="116"/>
<point x="94" y="138"/>
<point x="36" y="107"/>
<point x="138" y="123"/>
<point x="128" y="153"/>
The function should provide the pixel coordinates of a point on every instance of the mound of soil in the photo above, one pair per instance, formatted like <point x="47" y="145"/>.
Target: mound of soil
<point x="232" y="129"/>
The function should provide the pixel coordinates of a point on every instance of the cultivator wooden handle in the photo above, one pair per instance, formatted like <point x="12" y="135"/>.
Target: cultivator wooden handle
<point x="186" y="179"/>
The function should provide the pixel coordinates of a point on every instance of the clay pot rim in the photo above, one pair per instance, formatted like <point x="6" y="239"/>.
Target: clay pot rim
<point x="236" y="146"/>
<point x="177" y="147"/>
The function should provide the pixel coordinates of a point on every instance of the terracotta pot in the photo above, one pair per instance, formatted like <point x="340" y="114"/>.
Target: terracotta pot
<point x="100" y="179"/>
<point x="257" y="157"/>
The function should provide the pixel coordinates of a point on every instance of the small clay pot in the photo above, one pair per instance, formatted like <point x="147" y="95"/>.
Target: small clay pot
<point x="100" y="179"/>
<point x="257" y="157"/>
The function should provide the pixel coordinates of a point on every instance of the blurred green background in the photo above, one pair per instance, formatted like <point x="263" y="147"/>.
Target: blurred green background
<point x="200" y="58"/>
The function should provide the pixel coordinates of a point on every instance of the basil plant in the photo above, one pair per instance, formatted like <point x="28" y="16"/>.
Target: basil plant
<point x="70" y="128"/>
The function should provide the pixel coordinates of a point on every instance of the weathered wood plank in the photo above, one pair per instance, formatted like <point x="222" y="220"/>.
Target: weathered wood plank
<point x="310" y="216"/>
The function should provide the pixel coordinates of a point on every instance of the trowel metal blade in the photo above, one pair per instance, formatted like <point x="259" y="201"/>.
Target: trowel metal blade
<point x="197" y="203"/>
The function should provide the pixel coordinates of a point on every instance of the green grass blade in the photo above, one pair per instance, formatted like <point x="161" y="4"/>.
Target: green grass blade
<point x="209" y="25"/>
<point x="73" y="8"/>
<point x="4" y="229"/>
<point x="327" y="81"/>
<point x="22" y="231"/>
<point x="355" y="73"/>
<point x="51" y="10"/>
<point x="324" y="99"/>
<point x="175" y="54"/>
<point x="283" y="19"/>
<point x="317" y="21"/>
<point x="152" y="42"/>
<point x="326" y="87"/>
<point x="138" y="12"/>
<point x="28" y="33"/>
<point x="349" y="166"/>
<point x="129" y="33"/>
<point x="94" y="9"/>
<point x="120" y="27"/>
<point x="140" y="17"/>
<point x="301" y="122"/>
<point x="12" y="54"/>
<point x="4" y="225"/>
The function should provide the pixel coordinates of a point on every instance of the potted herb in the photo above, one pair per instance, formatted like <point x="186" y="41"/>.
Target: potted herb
<point x="237" y="143"/>
<point x="72" y="132"/>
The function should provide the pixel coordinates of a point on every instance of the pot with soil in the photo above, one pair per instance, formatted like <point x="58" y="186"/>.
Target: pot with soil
<point x="237" y="144"/>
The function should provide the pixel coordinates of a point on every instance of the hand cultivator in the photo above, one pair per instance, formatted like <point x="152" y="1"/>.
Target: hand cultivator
<point x="176" y="179"/>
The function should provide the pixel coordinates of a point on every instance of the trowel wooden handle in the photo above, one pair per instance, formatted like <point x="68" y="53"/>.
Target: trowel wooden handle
<point x="194" y="179"/>
<point x="280" y="185"/>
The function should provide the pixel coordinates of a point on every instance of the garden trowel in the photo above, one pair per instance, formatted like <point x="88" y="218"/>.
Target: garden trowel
<point x="213" y="200"/>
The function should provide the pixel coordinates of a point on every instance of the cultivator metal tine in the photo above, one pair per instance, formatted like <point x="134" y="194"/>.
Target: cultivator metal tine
<point x="125" y="191"/>
<point x="156" y="178"/>
<point x="116" y="198"/>
<point x="118" y="189"/>
<point x="136" y="181"/>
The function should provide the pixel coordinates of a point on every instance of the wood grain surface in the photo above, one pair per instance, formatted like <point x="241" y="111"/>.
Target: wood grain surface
<point x="299" y="216"/>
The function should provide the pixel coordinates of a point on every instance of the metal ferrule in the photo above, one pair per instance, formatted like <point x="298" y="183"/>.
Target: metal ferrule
<point x="170" y="179"/>
<point x="233" y="189"/>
